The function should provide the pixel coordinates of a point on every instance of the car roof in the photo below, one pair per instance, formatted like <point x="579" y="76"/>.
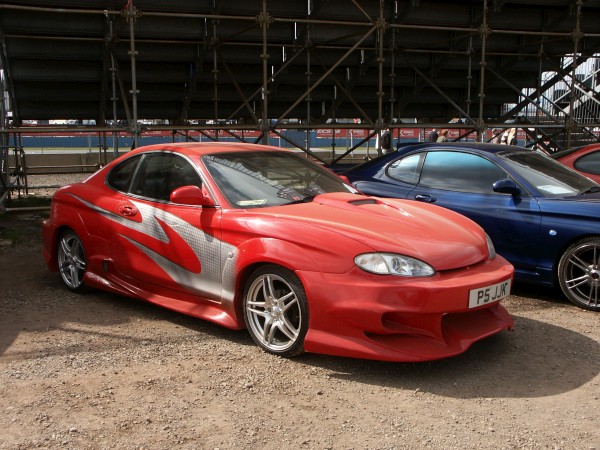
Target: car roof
<point x="570" y="151"/>
<point x="405" y="149"/>
<point x="479" y="146"/>
<point x="205" y="148"/>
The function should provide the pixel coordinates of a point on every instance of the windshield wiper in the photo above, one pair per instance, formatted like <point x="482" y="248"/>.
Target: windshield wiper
<point x="307" y="199"/>
<point x="591" y="190"/>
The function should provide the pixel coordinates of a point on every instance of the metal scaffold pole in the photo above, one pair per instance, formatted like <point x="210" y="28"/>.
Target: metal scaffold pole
<point x="132" y="15"/>
<point x="485" y="32"/>
<point x="264" y="20"/>
<point x="576" y="39"/>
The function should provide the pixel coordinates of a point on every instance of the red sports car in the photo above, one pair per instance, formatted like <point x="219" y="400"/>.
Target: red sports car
<point x="585" y="160"/>
<point x="252" y="236"/>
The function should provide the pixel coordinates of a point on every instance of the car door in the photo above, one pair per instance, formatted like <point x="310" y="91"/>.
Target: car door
<point x="463" y="182"/>
<point x="158" y="242"/>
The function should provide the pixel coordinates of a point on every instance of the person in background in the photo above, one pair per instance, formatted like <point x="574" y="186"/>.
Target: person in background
<point x="510" y="137"/>
<point x="386" y="141"/>
<point x="433" y="136"/>
<point x="497" y="136"/>
<point x="443" y="137"/>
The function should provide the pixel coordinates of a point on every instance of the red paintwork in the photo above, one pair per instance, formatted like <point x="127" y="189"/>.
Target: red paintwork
<point x="569" y="160"/>
<point x="352" y="313"/>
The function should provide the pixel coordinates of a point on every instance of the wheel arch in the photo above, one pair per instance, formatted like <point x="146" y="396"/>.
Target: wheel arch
<point x="54" y="237"/>
<point x="261" y="252"/>
<point x="563" y="249"/>
<point x="578" y="275"/>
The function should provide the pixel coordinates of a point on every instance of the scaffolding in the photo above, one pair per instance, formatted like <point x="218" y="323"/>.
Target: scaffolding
<point x="264" y="69"/>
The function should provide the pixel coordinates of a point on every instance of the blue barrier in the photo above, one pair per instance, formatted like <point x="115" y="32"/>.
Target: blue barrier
<point x="92" y="142"/>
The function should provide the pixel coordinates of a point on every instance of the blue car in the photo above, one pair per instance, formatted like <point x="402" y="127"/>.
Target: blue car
<point x="542" y="216"/>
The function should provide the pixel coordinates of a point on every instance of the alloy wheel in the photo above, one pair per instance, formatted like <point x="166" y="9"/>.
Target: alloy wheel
<point x="71" y="260"/>
<point x="275" y="311"/>
<point x="579" y="273"/>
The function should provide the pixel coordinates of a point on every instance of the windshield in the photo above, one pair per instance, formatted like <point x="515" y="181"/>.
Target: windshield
<point x="549" y="177"/>
<point x="263" y="178"/>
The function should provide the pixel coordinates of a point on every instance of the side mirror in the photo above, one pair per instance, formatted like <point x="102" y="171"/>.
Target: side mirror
<point x="506" y="186"/>
<point x="344" y="179"/>
<point x="192" y="195"/>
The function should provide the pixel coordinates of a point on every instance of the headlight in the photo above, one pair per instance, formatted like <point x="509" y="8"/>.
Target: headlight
<point x="491" y="247"/>
<point x="392" y="264"/>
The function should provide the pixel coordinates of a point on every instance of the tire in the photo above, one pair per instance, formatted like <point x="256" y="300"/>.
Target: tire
<point x="276" y="311"/>
<point x="72" y="261"/>
<point x="579" y="273"/>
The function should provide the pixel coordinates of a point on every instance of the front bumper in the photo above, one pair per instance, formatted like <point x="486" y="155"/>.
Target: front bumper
<point x="392" y="318"/>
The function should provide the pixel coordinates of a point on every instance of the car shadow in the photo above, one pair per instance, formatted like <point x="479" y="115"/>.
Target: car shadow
<point x="536" y="359"/>
<point x="54" y="309"/>
<point x="549" y="296"/>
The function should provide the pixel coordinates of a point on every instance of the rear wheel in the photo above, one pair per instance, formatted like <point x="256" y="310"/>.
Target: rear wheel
<point x="276" y="310"/>
<point x="579" y="273"/>
<point x="72" y="262"/>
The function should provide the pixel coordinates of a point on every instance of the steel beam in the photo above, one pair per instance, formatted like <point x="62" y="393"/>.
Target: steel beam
<point x="577" y="35"/>
<point x="484" y="33"/>
<point x="131" y="14"/>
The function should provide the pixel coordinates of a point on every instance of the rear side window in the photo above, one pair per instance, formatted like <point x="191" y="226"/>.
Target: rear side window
<point x="406" y="169"/>
<point x="120" y="177"/>
<point x="589" y="163"/>
<point x="463" y="172"/>
<point x="153" y="175"/>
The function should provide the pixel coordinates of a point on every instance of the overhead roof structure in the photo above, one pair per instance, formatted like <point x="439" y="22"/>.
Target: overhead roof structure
<point x="260" y="64"/>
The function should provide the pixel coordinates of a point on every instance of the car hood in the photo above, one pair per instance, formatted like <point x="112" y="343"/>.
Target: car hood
<point x="438" y="236"/>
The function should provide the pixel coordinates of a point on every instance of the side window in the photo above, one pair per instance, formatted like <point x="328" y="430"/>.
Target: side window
<point x="161" y="173"/>
<point x="406" y="169"/>
<point x="120" y="177"/>
<point x="589" y="163"/>
<point x="456" y="171"/>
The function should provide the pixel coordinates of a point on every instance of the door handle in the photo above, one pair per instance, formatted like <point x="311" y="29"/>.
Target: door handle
<point x="128" y="210"/>
<point x="425" y="198"/>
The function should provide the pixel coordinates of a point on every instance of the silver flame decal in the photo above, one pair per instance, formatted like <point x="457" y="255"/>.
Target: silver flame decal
<point x="217" y="277"/>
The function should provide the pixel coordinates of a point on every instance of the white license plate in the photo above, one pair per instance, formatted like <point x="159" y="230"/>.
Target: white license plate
<point x="489" y="294"/>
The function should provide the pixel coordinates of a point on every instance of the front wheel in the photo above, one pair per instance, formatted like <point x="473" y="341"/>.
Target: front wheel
<point x="579" y="273"/>
<point x="276" y="310"/>
<point x="72" y="262"/>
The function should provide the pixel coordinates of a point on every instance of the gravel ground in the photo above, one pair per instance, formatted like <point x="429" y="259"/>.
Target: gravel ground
<point x="100" y="371"/>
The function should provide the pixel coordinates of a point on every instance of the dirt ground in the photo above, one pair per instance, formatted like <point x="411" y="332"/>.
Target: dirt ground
<point x="99" y="371"/>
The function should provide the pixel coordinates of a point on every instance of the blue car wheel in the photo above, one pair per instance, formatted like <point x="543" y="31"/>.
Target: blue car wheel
<point x="579" y="273"/>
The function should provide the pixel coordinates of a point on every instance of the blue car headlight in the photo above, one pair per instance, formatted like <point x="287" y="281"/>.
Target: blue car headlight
<point x="393" y="264"/>
<point x="491" y="247"/>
